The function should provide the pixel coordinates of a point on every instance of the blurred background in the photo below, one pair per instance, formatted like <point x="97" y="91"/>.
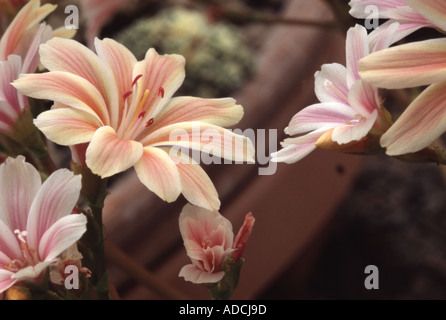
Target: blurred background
<point x="319" y="222"/>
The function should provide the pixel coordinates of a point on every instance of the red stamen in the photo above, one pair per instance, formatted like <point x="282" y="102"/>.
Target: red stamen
<point x="161" y="92"/>
<point x="136" y="79"/>
<point x="150" y="122"/>
<point x="126" y="95"/>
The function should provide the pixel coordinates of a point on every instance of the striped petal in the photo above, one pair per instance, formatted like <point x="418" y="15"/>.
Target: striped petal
<point x="107" y="154"/>
<point x="65" y="88"/>
<point x="409" y="65"/>
<point x="357" y="47"/>
<point x="197" y="187"/>
<point x="356" y="131"/>
<point x="432" y="10"/>
<point x="120" y="61"/>
<point x="320" y="116"/>
<point x="9" y="247"/>
<point x="162" y="75"/>
<point x="359" y="7"/>
<point x="330" y="83"/>
<point x="388" y="33"/>
<point x="62" y="235"/>
<point x="10" y="71"/>
<point x="220" y="112"/>
<point x="363" y="98"/>
<point x="32" y="59"/>
<point x="68" y="55"/>
<point x="295" y="149"/>
<point x="205" y="137"/>
<point x="6" y="280"/>
<point x="67" y="126"/>
<point x="19" y="184"/>
<point x="421" y="123"/>
<point x="158" y="172"/>
<point x="55" y="199"/>
<point x="25" y="22"/>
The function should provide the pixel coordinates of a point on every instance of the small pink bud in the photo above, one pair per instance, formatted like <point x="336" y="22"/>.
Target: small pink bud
<point x="208" y="239"/>
<point x="243" y="236"/>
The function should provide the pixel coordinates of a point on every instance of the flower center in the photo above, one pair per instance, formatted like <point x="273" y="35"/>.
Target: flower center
<point x="206" y="242"/>
<point x="137" y="115"/>
<point x="355" y="120"/>
<point x="336" y="91"/>
<point x="29" y="255"/>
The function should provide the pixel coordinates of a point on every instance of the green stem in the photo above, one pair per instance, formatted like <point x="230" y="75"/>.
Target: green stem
<point x="94" y="189"/>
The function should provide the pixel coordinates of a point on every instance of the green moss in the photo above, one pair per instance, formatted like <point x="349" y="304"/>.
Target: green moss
<point x="217" y="60"/>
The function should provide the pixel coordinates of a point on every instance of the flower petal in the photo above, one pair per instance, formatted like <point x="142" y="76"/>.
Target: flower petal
<point x="195" y="222"/>
<point x="162" y="75"/>
<point x="321" y="116"/>
<point x="432" y="10"/>
<point x="408" y="65"/>
<point x="211" y="139"/>
<point x="197" y="187"/>
<point x="67" y="55"/>
<point x="19" y="184"/>
<point x="158" y="173"/>
<point x="193" y="274"/>
<point x="10" y="71"/>
<point x="363" y="98"/>
<point x="107" y="154"/>
<point x="119" y="60"/>
<point x="6" y="280"/>
<point x="295" y="149"/>
<point x="65" y="88"/>
<point x="61" y="235"/>
<point x="330" y="83"/>
<point x="26" y="20"/>
<point x="31" y="272"/>
<point x="55" y="199"/>
<point x="221" y="112"/>
<point x="421" y="123"/>
<point x="357" y="47"/>
<point x="9" y="246"/>
<point x="32" y="59"/>
<point x="356" y="131"/>
<point x="359" y="7"/>
<point x="67" y="126"/>
<point x="390" y="32"/>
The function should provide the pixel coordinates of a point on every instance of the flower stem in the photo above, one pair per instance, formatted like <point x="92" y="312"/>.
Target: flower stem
<point x="94" y="189"/>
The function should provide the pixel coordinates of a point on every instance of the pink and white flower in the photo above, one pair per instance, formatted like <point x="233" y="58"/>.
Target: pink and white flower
<point x="349" y="108"/>
<point x="124" y="110"/>
<point x="208" y="239"/>
<point x="36" y="223"/>
<point x="19" y="54"/>
<point x="411" y="65"/>
<point x="405" y="12"/>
